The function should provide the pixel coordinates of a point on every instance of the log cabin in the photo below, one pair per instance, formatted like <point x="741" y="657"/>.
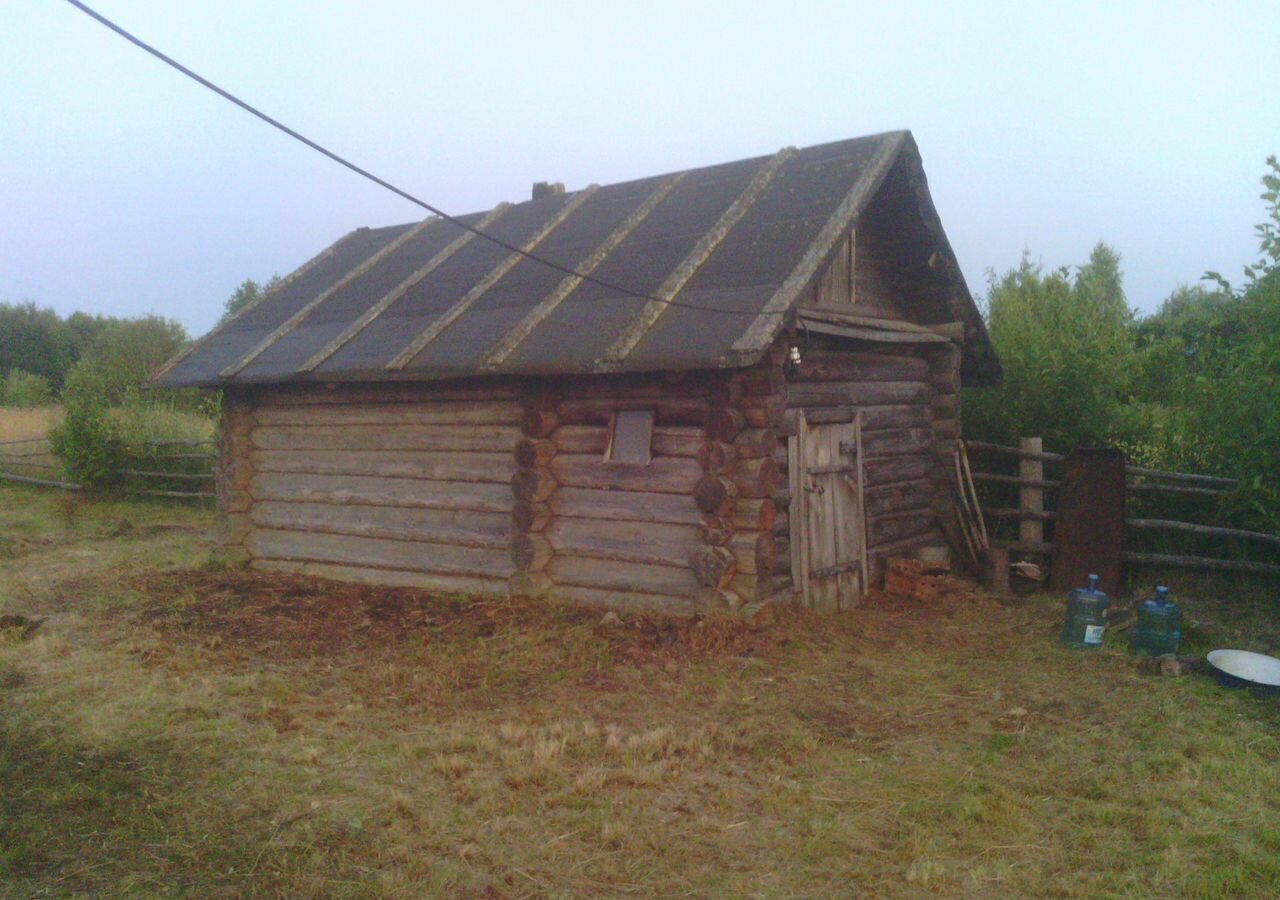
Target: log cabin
<point x="738" y="384"/>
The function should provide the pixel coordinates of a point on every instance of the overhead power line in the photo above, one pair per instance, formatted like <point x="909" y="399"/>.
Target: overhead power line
<point x="383" y="183"/>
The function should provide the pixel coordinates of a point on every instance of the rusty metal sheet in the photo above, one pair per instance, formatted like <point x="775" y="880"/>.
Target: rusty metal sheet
<point x="1089" y="523"/>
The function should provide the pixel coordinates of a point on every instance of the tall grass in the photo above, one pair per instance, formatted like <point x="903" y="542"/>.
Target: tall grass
<point x="140" y="425"/>
<point x="24" y="424"/>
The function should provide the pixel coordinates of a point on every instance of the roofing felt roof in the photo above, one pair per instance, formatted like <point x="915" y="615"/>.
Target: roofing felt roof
<point x="730" y="248"/>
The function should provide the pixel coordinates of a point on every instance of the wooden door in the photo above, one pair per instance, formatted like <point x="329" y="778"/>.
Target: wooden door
<point x="828" y="528"/>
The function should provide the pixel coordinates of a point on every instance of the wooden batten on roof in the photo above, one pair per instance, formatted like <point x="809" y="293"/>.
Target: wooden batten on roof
<point x="722" y="259"/>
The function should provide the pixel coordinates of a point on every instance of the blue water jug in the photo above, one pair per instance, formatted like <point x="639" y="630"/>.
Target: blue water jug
<point x="1086" y="616"/>
<point x="1159" y="627"/>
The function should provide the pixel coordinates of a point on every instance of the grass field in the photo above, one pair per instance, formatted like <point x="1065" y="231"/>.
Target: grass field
<point x="174" y="727"/>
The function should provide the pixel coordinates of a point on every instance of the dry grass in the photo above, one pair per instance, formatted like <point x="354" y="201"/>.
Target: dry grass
<point x="194" y="730"/>
<point x="22" y="424"/>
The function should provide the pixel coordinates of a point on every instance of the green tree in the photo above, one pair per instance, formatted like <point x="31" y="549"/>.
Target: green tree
<point x="35" y="340"/>
<point x="247" y="293"/>
<point x="24" y="390"/>
<point x="125" y="354"/>
<point x="1064" y="340"/>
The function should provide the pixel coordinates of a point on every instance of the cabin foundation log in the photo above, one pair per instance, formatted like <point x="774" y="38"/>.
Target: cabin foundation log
<point x="233" y="477"/>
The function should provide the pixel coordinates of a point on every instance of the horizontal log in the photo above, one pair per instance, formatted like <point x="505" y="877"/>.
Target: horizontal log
<point x="641" y="387"/>
<point x="532" y="485"/>
<point x="530" y="585"/>
<point x="668" y="440"/>
<point x="715" y="530"/>
<point x="668" y="581"/>
<point x="478" y="585"/>
<point x="539" y="422"/>
<point x="467" y="412"/>
<point x="755" y="443"/>
<point x="752" y="588"/>
<point x="529" y="515"/>
<point x="757" y="478"/>
<point x="1035" y="515"/>
<point x="185" y="495"/>
<point x="643" y="542"/>
<point x="875" y="418"/>
<point x="605" y="598"/>
<point x="391" y="437"/>
<point x="870" y="335"/>
<point x="782" y="498"/>
<point x="716" y="457"/>
<point x="896" y="442"/>
<point x="493" y="467"/>
<point x="754" y="514"/>
<point x="713" y="494"/>
<point x="378" y="553"/>
<point x="886" y="498"/>
<point x="829" y="415"/>
<point x="599" y="411"/>
<point x="667" y="475"/>
<point x="723" y="423"/>
<point x="726" y="394"/>
<point x="945" y="406"/>
<point x="1214" y="480"/>
<point x="897" y="526"/>
<point x="760" y="381"/>
<point x="1209" y="530"/>
<point x="1152" y="487"/>
<point x="782" y="555"/>
<point x="1015" y="479"/>
<point x="782" y="525"/>
<point x="628" y="506"/>
<point x="717" y="599"/>
<point x="531" y="552"/>
<point x="396" y="492"/>
<point x="894" y="469"/>
<point x="530" y="453"/>
<point x="1035" y="548"/>
<point x="712" y="567"/>
<point x="948" y="429"/>
<point x="1200" y="562"/>
<point x="754" y="552"/>
<point x="432" y="526"/>
<point x="763" y="412"/>
<point x="835" y="365"/>
<point x="386" y="392"/>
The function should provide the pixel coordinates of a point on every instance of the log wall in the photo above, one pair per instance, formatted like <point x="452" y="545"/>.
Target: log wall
<point x="394" y="484"/>
<point x="591" y="531"/>
<point x="903" y="393"/>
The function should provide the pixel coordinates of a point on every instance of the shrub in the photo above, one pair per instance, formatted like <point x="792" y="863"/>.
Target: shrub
<point x="25" y="390"/>
<point x="87" y="441"/>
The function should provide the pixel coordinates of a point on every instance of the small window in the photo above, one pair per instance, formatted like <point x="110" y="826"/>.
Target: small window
<point x="630" y="437"/>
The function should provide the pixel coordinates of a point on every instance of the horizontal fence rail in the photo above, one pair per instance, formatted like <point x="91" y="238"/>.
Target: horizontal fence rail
<point x="1031" y="513"/>
<point x="24" y="465"/>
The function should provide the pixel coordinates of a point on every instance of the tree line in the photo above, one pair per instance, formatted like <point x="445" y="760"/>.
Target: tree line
<point x="1194" y="386"/>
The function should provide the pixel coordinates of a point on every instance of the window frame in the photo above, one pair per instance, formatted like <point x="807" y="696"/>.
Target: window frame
<point x="613" y="434"/>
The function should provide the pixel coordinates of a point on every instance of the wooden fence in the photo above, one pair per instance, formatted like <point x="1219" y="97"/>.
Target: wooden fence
<point x="1032" y="513"/>
<point x="182" y="469"/>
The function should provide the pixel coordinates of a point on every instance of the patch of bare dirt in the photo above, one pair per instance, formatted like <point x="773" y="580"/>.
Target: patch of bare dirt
<point x="279" y="615"/>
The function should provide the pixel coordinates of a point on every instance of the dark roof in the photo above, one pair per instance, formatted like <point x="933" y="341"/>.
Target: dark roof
<point x="733" y="246"/>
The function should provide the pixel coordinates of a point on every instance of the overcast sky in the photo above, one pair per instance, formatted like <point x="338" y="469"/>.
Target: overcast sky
<point x="126" y="189"/>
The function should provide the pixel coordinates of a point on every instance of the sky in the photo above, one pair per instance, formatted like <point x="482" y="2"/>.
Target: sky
<point x="126" y="189"/>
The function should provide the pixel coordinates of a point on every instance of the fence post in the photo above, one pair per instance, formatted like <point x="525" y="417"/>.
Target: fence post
<point x="1031" y="499"/>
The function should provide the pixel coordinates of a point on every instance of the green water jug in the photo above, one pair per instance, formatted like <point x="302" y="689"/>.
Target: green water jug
<point x="1159" y="627"/>
<point x="1086" y="616"/>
